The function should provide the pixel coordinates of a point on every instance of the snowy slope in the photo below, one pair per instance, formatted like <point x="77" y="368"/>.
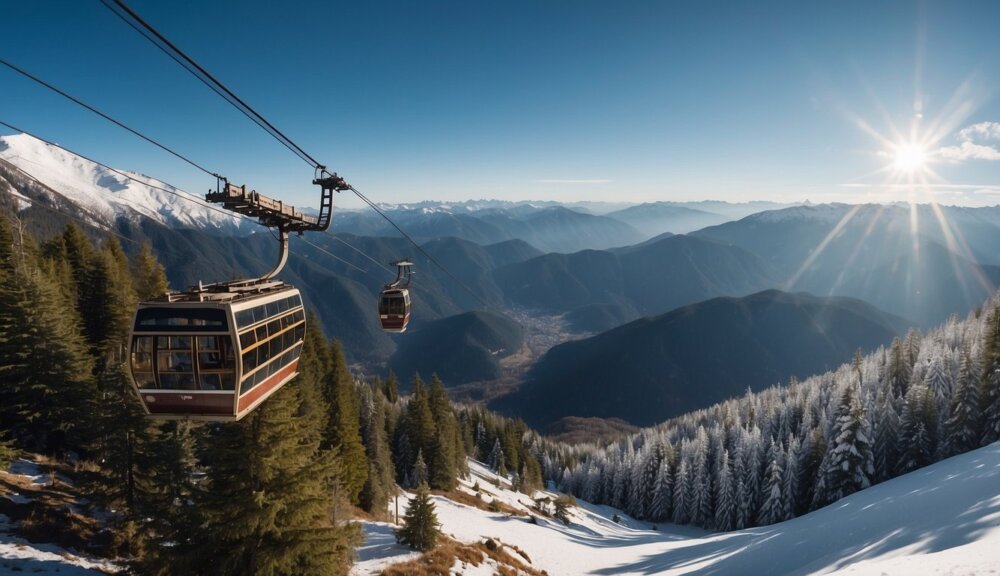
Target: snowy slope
<point x="109" y="195"/>
<point x="18" y="555"/>
<point x="943" y="519"/>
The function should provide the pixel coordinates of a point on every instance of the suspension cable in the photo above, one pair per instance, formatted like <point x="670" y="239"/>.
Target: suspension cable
<point x="419" y="247"/>
<point x="175" y="192"/>
<point x="177" y="55"/>
<point x="158" y="39"/>
<point x="358" y="250"/>
<point x="68" y="96"/>
<point x="334" y="256"/>
<point x="35" y="203"/>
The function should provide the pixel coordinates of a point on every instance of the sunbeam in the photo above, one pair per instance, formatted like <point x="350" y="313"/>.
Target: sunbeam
<point x="822" y="246"/>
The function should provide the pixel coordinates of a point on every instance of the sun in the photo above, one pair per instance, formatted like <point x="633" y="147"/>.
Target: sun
<point x="910" y="158"/>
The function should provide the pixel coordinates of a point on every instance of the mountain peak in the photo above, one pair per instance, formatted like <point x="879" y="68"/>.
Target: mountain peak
<point x="111" y="194"/>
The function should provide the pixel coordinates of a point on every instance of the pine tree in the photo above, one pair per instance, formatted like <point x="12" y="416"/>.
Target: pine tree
<point x="419" y="474"/>
<point x="391" y="388"/>
<point x="444" y="459"/>
<point x="900" y="368"/>
<point x="821" y="491"/>
<point x="751" y="498"/>
<point x="663" y="494"/>
<point x="420" y="525"/>
<point x="510" y="439"/>
<point x="48" y="395"/>
<point x="378" y="486"/>
<point x="812" y="459"/>
<point x="918" y="430"/>
<point x="682" y="489"/>
<point x="963" y="427"/>
<point x="150" y="277"/>
<point x="269" y="502"/>
<point x="775" y="507"/>
<point x="791" y="478"/>
<point x="419" y="422"/>
<point x="496" y="459"/>
<point x="725" y="508"/>
<point x="562" y="510"/>
<point x="646" y="483"/>
<point x="937" y="378"/>
<point x="850" y="466"/>
<point x="121" y="431"/>
<point x="885" y="448"/>
<point x="164" y="487"/>
<point x="989" y="397"/>
<point x="701" y="493"/>
<point x="79" y="253"/>
<point x="343" y="430"/>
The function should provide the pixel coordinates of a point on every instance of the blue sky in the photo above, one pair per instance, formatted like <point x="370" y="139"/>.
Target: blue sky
<point x="563" y="100"/>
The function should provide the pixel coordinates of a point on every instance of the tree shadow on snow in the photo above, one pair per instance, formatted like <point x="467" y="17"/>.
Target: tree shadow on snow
<point x="928" y="510"/>
<point x="380" y="542"/>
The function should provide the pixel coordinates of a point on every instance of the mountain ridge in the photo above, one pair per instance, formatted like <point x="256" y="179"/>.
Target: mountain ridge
<point x="657" y="367"/>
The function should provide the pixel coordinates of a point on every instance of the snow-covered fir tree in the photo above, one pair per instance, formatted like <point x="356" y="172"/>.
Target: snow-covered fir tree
<point x="900" y="407"/>
<point x="775" y="507"/>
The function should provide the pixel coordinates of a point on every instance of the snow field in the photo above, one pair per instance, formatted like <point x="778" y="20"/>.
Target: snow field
<point x="942" y="519"/>
<point x="106" y="194"/>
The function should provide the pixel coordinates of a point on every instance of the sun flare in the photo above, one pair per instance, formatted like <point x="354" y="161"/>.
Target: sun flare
<point x="910" y="158"/>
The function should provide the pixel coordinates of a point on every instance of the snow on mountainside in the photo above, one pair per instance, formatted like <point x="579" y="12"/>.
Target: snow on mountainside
<point x="824" y="213"/>
<point x="109" y="195"/>
<point x="942" y="519"/>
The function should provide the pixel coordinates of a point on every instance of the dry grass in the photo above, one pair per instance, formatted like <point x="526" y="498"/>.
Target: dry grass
<point x="492" y="505"/>
<point x="440" y="560"/>
<point x="52" y="512"/>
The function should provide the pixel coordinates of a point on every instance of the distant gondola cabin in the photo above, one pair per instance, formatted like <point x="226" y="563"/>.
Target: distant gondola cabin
<point x="215" y="355"/>
<point x="394" y="309"/>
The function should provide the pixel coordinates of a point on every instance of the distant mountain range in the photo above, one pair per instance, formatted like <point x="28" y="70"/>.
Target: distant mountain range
<point x="548" y="228"/>
<point x="528" y="255"/>
<point x="655" y="218"/>
<point x="649" y="278"/>
<point x="923" y="263"/>
<point x="654" y="368"/>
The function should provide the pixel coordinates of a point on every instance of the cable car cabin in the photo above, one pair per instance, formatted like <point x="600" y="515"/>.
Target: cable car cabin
<point x="394" y="300"/>
<point x="394" y="309"/>
<point x="216" y="353"/>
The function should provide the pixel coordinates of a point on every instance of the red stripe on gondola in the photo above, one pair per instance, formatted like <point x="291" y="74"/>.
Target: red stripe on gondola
<point x="393" y="322"/>
<point x="267" y="386"/>
<point x="185" y="403"/>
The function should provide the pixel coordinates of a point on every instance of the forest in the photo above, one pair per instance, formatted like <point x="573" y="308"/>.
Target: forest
<point x="277" y="490"/>
<point x="787" y="450"/>
<point x="280" y="489"/>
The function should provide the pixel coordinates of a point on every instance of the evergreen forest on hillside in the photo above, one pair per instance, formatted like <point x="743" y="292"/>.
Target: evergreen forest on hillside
<point x="277" y="491"/>
<point x="280" y="490"/>
<point x="785" y="451"/>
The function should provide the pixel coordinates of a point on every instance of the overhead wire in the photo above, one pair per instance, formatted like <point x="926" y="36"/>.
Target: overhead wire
<point x="420" y="248"/>
<point x="76" y="100"/>
<point x="35" y="203"/>
<point x="188" y="63"/>
<point x="175" y="192"/>
<point x="359" y="251"/>
<point x="334" y="256"/>
<point x="150" y="33"/>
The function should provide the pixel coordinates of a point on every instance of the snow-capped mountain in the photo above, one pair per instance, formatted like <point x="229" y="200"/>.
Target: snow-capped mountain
<point x="107" y="195"/>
